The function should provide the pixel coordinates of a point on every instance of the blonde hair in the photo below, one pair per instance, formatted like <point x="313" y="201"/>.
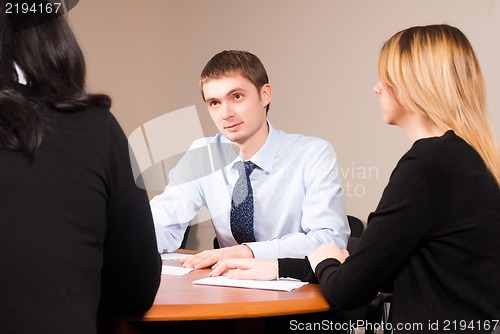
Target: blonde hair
<point x="433" y="70"/>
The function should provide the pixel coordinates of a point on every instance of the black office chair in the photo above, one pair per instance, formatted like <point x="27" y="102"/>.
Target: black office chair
<point x="184" y="240"/>
<point x="356" y="225"/>
<point x="357" y="229"/>
<point x="379" y="313"/>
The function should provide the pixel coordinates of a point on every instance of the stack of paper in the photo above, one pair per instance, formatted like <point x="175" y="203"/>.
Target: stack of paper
<point x="175" y="270"/>
<point x="280" y="285"/>
<point x="174" y="256"/>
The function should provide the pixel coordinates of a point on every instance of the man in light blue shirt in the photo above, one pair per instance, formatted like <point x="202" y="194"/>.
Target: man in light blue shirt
<point x="296" y="186"/>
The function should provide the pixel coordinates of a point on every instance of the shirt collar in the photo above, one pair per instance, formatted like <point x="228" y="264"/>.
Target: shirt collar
<point x="264" y="158"/>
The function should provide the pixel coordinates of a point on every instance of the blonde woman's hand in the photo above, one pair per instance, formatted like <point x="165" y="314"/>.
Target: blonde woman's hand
<point x="326" y="251"/>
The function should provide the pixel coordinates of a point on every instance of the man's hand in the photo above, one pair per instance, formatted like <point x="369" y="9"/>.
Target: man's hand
<point x="208" y="258"/>
<point x="264" y="270"/>
<point x="326" y="251"/>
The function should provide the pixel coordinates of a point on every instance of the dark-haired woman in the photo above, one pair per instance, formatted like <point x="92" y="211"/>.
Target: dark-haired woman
<point x="77" y="239"/>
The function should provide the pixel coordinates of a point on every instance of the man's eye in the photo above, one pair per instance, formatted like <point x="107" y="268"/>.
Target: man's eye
<point x="214" y="104"/>
<point x="238" y="96"/>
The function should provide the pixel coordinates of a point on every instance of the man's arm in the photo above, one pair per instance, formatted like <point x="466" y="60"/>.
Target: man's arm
<point x="172" y="211"/>
<point x="181" y="200"/>
<point x="324" y="218"/>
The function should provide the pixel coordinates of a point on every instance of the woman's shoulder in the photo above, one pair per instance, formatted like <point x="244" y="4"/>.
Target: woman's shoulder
<point x="445" y="148"/>
<point x="449" y="157"/>
<point x="89" y="119"/>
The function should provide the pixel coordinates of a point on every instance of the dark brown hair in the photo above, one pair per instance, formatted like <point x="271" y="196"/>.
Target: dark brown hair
<point x="230" y="62"/>
<point x="54" y="69"/>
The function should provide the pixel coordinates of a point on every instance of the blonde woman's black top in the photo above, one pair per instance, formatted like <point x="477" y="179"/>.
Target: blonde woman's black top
<point x="434" y="241"/>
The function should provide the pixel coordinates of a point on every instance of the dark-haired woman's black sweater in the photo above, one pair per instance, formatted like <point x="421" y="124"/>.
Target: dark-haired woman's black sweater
<point x="434" y="241"/>
<point x="77" y="236"/>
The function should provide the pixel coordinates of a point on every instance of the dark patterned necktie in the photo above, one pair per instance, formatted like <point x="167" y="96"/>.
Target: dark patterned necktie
<point x="242" y="204"/>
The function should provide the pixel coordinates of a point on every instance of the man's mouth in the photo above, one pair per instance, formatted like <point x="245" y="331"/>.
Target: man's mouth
<point x="232" y="126"/>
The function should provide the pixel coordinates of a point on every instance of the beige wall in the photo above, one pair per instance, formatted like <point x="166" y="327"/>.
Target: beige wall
<point x="321" y="57"/>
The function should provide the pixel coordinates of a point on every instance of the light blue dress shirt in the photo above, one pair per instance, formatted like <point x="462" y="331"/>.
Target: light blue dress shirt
<point x="298" y="203"/>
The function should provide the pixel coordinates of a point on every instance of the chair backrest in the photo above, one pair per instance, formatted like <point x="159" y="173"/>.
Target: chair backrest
<point x="356" y="225"/>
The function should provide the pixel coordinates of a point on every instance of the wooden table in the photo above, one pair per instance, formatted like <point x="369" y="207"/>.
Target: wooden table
<point x="179" y="300"/>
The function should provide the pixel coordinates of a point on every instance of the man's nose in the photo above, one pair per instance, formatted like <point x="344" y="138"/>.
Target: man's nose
<point x="227" y="111"/>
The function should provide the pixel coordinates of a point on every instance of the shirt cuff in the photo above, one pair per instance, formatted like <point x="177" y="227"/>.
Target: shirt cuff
<point x="261" y="250"/>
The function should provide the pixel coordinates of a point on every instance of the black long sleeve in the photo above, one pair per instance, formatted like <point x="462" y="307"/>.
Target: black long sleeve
<point x="296" y="268"/>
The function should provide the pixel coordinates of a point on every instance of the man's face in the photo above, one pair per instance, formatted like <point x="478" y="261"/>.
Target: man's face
<point x="238" y="109"/>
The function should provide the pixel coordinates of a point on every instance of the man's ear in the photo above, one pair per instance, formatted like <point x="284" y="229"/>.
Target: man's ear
<point x="266" y="94"/>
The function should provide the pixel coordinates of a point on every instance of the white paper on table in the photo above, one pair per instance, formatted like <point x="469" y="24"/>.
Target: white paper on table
<point x="174" y="256"/>
<point x="280" y="285"/>
<point x="175" y="270"/>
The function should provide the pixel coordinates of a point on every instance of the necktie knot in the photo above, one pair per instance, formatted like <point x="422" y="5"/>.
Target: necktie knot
<point x="245" y="168"/>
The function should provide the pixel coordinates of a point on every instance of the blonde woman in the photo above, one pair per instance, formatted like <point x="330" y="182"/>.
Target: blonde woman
<point x="433" y="239"/>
